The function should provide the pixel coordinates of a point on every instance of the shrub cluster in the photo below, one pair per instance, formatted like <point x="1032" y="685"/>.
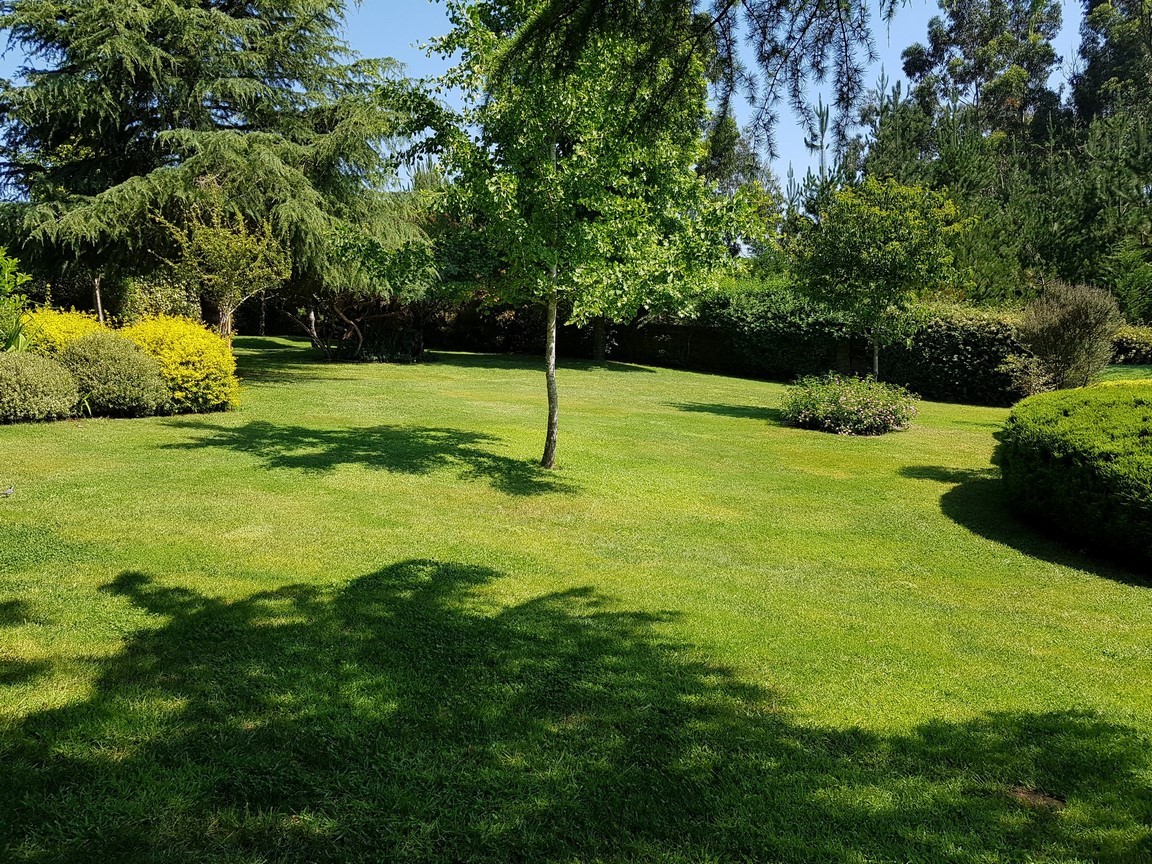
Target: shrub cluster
<point x="196" y="364"/>
<point x="50" y="331"/>
<point x="1133" y="346"/>
<point x="114" y="377"/>
<point x="849" y="406"/>
<point x="1080" y="462"/>
<point x="34" y="388"/>
<point x="1070" y="329"/>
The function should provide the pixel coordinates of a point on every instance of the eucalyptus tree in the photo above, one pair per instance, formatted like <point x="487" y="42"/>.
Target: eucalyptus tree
<point x="123" y="108"/>
<point x="582" y="193"/>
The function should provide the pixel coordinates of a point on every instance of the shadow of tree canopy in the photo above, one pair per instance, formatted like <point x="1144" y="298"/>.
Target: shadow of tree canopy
<point x="267" y="361"/>
<point x="977" y="501"/>
<point x="400" y="719"/>
<point x="400" y="449"/>
<point x="742" y="412"/>
<point x="521" y="361"/>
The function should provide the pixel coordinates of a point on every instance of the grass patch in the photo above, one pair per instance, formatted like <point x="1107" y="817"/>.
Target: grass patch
<point x="1124" y="373"/>
<point x="354" y="622"/>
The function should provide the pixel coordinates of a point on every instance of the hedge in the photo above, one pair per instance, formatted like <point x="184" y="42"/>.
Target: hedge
<point x="197" y="365"/>
<point x="1133" y="346"/>
<point x="1080" y="463"/>
<point x="34" y="389"/>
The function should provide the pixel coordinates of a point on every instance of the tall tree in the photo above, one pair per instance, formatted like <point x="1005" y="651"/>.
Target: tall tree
<point x="581" y="194"/>
<point x="123" y="107"/>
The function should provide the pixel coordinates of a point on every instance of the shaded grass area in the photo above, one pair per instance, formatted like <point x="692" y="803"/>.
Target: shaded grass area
<point x="354" y="622"/>
<point x="1124" y="373"/>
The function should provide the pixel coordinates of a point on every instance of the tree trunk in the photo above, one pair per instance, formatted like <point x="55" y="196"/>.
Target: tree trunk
<point x="98" y="299"/>
<point x="599" y="339"/>
<point x="549" y="460"/>
<point x="876" y="359"/>
<point x="225" y="317"/>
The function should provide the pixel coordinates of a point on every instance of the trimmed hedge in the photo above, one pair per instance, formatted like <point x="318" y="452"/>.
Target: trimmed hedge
<point x="34" y="388"/>
<point x="50" y="331"/>
<point x="114" y="377"/>
<point x="197" y="365"/>
<point x="1133" y="346"/>
<point x="1080" y="462"/>
<point x="849" y="406"/>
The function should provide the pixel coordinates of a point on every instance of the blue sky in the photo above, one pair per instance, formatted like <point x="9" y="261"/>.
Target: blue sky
<point x="395" y="28"/>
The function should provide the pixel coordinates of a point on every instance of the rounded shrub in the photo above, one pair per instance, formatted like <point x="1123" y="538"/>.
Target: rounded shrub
<point x="849" y="406"/>
<point x="50" y="331"/>
<point x="1080" y="462"/>
<point x="34" y="388"/>
<point x="197" y="365"/>
<point x="1133" y="346"/>
<point x="114" y="377"/>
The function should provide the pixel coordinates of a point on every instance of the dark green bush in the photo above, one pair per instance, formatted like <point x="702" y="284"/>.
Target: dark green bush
<point x="1070" y="329"/>
<point x="1080" y="463"/>
<point x="849" y="406"/>
<point x="34" y="388"/>
<point x="1133" y="346"/>
<point x="114" y="377"/>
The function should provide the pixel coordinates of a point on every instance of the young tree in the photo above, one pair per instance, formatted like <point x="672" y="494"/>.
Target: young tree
<point x="873" y="251"/>
<point x="123" y="108"/>
<point x="583" y="196"/>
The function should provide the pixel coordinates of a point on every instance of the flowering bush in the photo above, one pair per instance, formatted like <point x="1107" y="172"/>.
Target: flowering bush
<point x="196" y="364"/>
<point x="50" y="331"/>
<point x="849" y="406"/>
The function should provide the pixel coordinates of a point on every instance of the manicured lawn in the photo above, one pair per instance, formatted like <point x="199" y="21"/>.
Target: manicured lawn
<point x="1120" y="373"/>
<point x="353" y="622"/>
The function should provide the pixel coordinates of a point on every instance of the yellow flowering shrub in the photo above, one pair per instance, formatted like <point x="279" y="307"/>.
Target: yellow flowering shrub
<point x="50" y="331"/>
<point x="197" y="365"/>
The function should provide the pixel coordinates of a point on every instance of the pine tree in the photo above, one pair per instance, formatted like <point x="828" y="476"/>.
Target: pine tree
<point x="126" y="107"/>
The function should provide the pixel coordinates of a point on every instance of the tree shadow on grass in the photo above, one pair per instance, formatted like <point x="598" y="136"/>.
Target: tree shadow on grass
<point x="977" y="501"/>
<point x="399" y="449"/>
<point x="398" y="718"/>
<point x="742" y="412"/>
<point x="268" y="361"/>
<point x="526" y="361"/>
<point x="14" y="612"/>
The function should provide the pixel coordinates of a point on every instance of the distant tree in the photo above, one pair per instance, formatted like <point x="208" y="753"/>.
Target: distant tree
<point x="576" y="194"/>
<point x="873" y="252"/>
<point x="123" y="108"/>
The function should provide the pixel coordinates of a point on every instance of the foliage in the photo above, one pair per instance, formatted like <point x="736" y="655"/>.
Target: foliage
<point x="1132" y="346"/>
<point x="196" y="364"/>
<point x="225" y="261"/>
<point x="114" y="377"/>
<point x="1080" y="462"/>
<point x="50" y="330"/>
<point x="13" y="305"/>
<point x="34" y="388"/>
<point x="159" y="294"/>
<point x="130" y="107"/>
<point x="849" y="406"/>
<point x="1070" y="329"/>
<point x="874" y="251"/>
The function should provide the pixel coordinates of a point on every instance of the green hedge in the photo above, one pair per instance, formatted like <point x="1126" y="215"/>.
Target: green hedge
<point x="1080" y="462"/>
<point x="114" y="377"/>
<point x="1133" y="346"/>
<point x="34" y="388"/>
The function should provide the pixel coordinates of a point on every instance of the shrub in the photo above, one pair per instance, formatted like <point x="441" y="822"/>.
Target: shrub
<point x="114" y="377"/>
<point x="196" y="364"/>
<point x="160" y="294"/>
<point x="34" y="388"/>
<point x="1080" y="461"/>
<point x="849" y="406"/>
<point x="1070" y="328"/>
<point x="959" y="354"/>
<point x="1133" y="346"/>
<point x="50" y="331"/>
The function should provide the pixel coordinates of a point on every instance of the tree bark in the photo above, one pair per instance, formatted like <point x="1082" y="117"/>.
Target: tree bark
<point x="599" y="339"/>
<point x="98" y="298"/>
<point x="549" y="460"/>
<point x="876" y="359"/>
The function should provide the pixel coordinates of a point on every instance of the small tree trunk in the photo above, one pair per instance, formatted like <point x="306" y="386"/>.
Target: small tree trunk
<point x="549" y="460"/>
<point x="225" y="317"/>
<point x="96" y="296"/>
<point x="599" y="339"/>
<point x="876" y="359"/>
<point x="263" y="326"/>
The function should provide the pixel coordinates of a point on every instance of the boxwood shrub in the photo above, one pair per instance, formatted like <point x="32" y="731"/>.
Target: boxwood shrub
<point x="114" y="377"/>
<point x="849" y="406"/>
<point x="195" y="363"/>
<point x="1080" y="463"/>
<point x="34" y="388"/>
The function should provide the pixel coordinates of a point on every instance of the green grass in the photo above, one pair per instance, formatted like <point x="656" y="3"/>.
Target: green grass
<point x="1122" y="373"/>
<point x="353" y="622"/>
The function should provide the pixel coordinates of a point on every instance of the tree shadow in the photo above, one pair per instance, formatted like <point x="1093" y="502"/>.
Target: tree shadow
<point x="260" y="360"/>
<point x="399" y="718"/>
<point x="14" y="612"/>
<point x="399" y="449"/>
<point x="525" y="361"/>
<point x="743" y="412"/>
<point x="978" y="502"/>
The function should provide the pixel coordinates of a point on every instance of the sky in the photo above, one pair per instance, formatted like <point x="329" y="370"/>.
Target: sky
<point x="397" y="28"/>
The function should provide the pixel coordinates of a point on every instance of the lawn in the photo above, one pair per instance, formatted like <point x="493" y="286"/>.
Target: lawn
<point x="353" y="622"/>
